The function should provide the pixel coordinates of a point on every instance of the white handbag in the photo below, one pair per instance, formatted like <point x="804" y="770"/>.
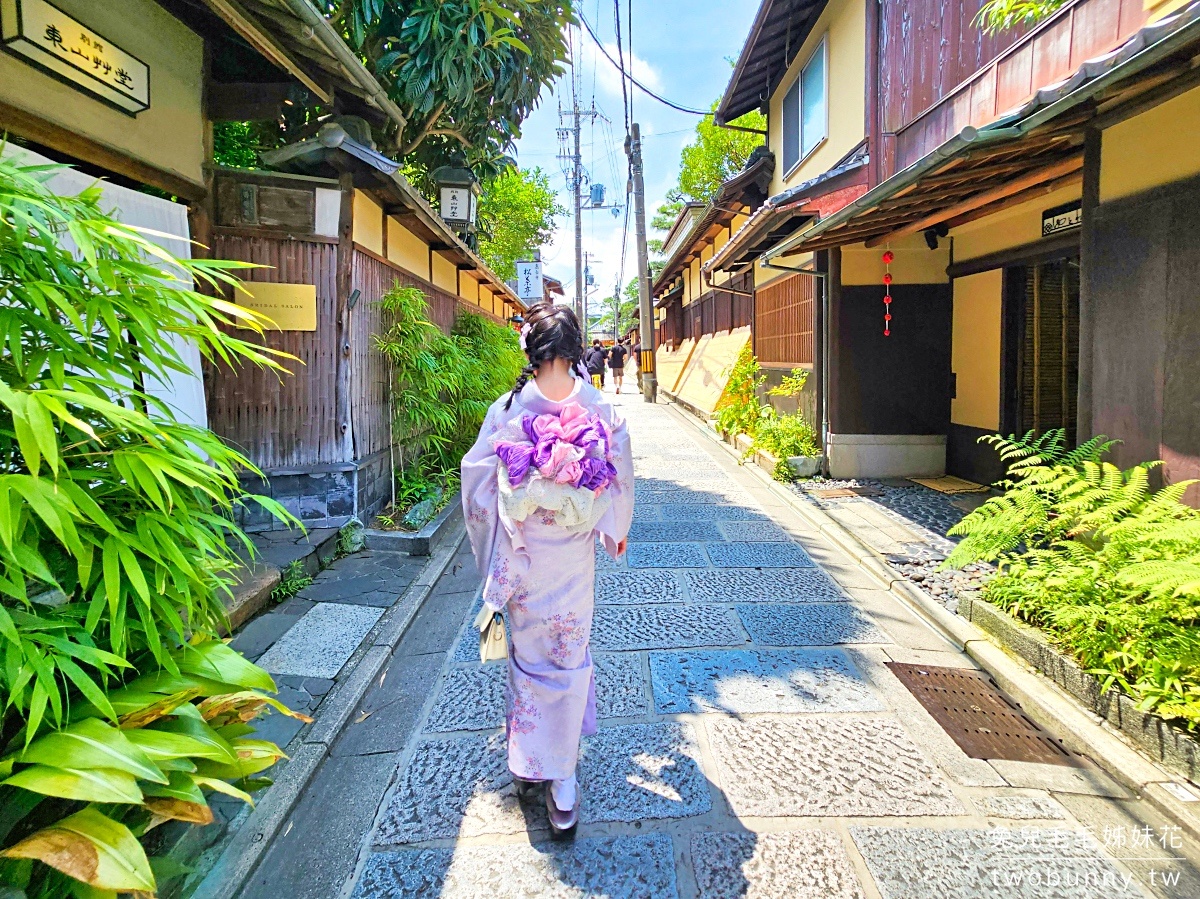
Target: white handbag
<point x="493" y="638"/>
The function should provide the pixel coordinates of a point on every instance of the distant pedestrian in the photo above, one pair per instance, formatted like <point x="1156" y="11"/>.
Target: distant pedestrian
<point x="551" y="473"/>
<point x="593" y="359"/>
<point x="637" y="360"/>
<point x="617" y="357"/>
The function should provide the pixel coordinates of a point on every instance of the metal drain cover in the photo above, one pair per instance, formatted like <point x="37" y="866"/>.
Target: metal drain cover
<point x="984" y="722"/>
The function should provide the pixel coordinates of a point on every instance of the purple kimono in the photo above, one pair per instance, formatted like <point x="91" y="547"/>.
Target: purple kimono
<point x="541" y="573"/>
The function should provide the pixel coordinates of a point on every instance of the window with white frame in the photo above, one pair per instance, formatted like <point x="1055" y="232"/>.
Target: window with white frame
<point x="805" y="118"/>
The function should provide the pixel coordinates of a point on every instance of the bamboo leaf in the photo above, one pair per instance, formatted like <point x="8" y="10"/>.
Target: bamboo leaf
<point x="92" y="848"/>
<point x="84" y="784"/>
<point x="91" y="743"/>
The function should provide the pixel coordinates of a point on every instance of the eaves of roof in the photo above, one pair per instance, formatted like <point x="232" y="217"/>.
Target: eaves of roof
<point x="294" y="35"/>
<point x="328" y="151"/>
<point x="757" y="173"/>
<point x="796" y="201"/>
<point x="1149" y="46"/>
<point x="779" y="29"/>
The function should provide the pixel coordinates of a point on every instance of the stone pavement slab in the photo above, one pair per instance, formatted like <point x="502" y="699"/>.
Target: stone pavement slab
<point x="391" y="710"/>
<point x="826" y="766"/>
<point x="666" y="555"/>
<point x="626" y="628"/>
<point x="459" y="787"/>
<point x="677" y="531"/>
<point x="808" y="624"/>
<point x="636" y="772"/>
<point x="753" y="532"/>
<point x="321" y="642"/>
<point x="744" y="682"/>
<point x="803" y="864"/>
<point x="472" y="696"/>
<point x="630" y="867"/>
<point x="782" y="585"/>
<point x="462" y="787"/>
<point x="1016" y="807"/>
<point x="625" y="588"/>
<point x="758" y="555"/>
<point x="703" y="512"/>
<point x="1029" y="863"/>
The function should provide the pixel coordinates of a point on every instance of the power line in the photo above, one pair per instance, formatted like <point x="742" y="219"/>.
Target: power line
<point x="621" y="68"/>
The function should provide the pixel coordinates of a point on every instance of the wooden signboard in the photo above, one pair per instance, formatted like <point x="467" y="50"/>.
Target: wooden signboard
<point x="290" y="307"/>
<point x="44" y="35"/>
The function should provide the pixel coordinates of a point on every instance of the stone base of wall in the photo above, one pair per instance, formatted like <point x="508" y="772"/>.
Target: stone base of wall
<point x="887" y="455"/>
<point x="321" y="496"/>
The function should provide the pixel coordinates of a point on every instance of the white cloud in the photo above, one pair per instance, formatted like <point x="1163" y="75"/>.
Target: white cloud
<point x="591" y="63"/>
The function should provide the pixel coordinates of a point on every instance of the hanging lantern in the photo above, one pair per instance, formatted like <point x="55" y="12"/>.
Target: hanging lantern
<point x="458" y="190"/>
<point x="888" y="258"/>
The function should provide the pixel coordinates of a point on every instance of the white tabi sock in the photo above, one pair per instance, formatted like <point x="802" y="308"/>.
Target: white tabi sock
<point x="564" y="793"/>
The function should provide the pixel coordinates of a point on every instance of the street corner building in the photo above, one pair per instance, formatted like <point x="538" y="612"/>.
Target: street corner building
<point x="128" y="91"/>
<point x="963" y="232"/>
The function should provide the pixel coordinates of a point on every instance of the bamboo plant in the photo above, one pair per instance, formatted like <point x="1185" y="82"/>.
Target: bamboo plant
<point x="120" y="708"/>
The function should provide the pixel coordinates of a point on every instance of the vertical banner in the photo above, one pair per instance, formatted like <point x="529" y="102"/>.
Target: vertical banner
<point x="529" y="281"/>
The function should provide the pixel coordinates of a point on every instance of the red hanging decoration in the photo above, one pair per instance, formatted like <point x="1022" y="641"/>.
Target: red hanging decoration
<point x="888" y="258"/>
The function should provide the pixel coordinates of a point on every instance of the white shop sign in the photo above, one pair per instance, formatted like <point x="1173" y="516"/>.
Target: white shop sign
<point x="529" y="280"/>
<point x="44" y="35"/>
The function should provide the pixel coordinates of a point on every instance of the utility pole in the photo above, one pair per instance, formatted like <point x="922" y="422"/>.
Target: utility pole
<point x="577" y="181"/>
<point x="645" y="313"/>
<point x="570" y="159"/>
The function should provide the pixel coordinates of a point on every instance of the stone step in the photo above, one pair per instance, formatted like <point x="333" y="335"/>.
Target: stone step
<point x="276" y="550"/>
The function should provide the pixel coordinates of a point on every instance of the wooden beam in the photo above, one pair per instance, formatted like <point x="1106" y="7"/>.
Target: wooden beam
<point x="245" y="101"/>
<point x="1040" y="190"/>
<point x="341" y="332"/>
<point x="70" y="143"/>
<point x="266" y="44"/>
<point x="1066" y="166"/>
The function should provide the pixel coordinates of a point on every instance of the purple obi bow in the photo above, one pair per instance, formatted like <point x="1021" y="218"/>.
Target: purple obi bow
<point x="570" y="448"/>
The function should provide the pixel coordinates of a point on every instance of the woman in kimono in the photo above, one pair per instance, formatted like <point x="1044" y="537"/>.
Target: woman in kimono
<point x="550" y="473"/>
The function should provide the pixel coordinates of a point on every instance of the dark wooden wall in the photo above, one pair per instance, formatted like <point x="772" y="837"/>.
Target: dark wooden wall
<point x="374" y="276"/>
<point x="890" y="385"/>
<point x="939" y="73"/>
<point x="282" y="421"/>
<point x="1143" y="269"/>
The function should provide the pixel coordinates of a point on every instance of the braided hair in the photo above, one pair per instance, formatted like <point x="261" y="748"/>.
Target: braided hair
<point x="550" y="332"/>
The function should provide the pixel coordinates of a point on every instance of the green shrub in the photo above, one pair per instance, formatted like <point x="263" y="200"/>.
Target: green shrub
<point x="442" y="386"/>
<point x="116" y="544"/>
<point x="738" y="409"/>
<point x="783" y="436"/>
<point x="1107" y="566"/>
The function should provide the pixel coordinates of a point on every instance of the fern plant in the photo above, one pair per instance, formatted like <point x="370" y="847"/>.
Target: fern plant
<point x="1107" y="566"/>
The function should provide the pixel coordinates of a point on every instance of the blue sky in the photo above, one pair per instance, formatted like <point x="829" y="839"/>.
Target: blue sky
<point x="680" y="51"/>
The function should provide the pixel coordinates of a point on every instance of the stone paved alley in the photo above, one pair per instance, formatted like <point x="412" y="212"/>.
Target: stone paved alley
<point x="752" y="742"/>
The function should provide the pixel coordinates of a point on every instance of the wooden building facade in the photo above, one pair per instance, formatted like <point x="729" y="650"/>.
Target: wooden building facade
<point x="333" y="227"/>
<point x="988" y="163"/>
<point x="337" y="230"/>
<point x="702" y="325"/>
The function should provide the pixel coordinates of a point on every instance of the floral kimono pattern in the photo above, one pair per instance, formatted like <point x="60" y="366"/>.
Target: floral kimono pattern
<point x="541" y="571"/>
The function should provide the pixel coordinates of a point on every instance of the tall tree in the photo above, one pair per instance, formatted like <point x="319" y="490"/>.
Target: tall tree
<point x="516" y="216"/>
<point x="465" y="73"/>
<point x="713" y="156"/>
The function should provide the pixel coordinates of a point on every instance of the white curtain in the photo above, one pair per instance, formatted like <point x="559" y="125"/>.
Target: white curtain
<point x="184" y="393"/>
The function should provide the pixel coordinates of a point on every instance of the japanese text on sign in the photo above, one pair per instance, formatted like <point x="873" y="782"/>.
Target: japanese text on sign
<point x="529" y="280"/>
<point x="46" y="36"/>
